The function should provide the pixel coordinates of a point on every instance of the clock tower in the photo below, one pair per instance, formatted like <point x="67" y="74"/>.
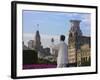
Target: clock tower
<point x="74" y="42"/>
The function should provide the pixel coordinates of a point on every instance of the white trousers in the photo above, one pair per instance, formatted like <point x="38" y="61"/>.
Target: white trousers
<point x="61" y="65"/>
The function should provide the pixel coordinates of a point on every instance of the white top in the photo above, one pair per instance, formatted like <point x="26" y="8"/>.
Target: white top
<point x="62" y="52"/>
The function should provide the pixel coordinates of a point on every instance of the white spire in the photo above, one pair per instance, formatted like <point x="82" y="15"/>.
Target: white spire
<point x="38" y="27"/>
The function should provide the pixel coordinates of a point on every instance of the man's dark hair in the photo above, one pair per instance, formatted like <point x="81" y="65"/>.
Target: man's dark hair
<point x="62" y="38"/>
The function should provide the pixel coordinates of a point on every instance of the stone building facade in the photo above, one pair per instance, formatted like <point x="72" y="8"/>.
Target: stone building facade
<point x="78" y="46"/>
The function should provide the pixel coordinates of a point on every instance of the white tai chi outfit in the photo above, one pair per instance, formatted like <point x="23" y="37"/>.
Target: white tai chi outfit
<point x="62" y="58"/>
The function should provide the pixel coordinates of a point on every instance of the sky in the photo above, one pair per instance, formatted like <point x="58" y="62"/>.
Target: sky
<point x="52" y="24"/>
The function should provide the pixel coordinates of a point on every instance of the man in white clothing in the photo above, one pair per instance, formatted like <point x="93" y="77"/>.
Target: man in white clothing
<point x="62" y="58"/>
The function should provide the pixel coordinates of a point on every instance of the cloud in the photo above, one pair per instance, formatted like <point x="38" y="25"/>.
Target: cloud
<point x="86" y="17"/>
<point x="87" y="20"/>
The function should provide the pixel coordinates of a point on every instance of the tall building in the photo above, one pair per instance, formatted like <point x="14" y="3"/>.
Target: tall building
<point x="37" y="41"/>
<point x="78" y="45"/>
<point x="42" y="52"/>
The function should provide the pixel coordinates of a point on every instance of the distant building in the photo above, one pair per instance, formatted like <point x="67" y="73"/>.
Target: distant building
<point x="78" y="46"/>
<point x="54" y="52"/>
<point x="37" y="41"/>
<point x="31" y="44"/>
<point x="36" y="45"/>
<point x="24" y="46"/>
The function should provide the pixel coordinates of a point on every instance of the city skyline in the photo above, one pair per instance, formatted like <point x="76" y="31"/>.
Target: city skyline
<point x="52" y="24"/>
